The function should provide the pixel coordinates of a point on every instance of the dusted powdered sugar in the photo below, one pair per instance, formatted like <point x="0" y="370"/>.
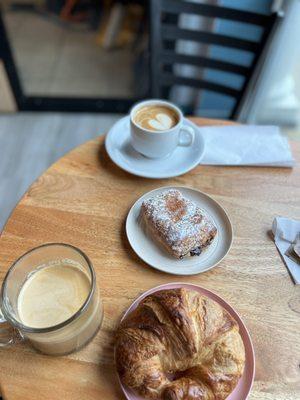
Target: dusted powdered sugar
<point x="178" y="221"/>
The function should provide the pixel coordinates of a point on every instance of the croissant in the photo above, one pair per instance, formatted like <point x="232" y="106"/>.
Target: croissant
<point x="178" y="344"/>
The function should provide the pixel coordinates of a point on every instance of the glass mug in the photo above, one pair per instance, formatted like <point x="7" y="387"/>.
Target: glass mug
<point x="67" y="336"/>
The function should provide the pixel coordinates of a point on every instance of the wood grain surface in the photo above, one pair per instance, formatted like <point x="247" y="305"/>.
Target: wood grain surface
<point x="84" y="198"/>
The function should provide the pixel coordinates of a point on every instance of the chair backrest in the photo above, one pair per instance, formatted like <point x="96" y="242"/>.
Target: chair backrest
<point x="164" y="33"/>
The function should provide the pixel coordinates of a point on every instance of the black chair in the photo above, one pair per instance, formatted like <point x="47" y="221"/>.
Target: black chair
<point x="163" y="36"/>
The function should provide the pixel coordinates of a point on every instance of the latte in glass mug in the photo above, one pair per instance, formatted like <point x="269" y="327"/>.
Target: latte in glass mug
<point x="156" y="118"/>
<point x="52" y="295"/>
<point x="49" y="296"/>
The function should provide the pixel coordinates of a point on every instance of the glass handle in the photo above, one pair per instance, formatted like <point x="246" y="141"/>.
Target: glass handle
<point x="8" y="334"/>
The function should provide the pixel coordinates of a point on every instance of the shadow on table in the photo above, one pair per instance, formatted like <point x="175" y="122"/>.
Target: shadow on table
<point x="131" y="254"/>
<point x="126" y="245"/>
<point x="106" y="163"/>
<point x="270" y="235"/>
<point x="110" y="374"/>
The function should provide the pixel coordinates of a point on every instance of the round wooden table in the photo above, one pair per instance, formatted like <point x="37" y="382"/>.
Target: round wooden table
<point x="83" y="199"/>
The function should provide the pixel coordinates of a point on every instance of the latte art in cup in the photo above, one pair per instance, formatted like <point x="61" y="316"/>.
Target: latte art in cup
<point x="157" y="128"/>
<point x="156" y="118"/>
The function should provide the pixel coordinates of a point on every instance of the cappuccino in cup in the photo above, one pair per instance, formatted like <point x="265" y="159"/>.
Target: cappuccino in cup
<point x="157" y="127"/>
<point x="156" y="118"/>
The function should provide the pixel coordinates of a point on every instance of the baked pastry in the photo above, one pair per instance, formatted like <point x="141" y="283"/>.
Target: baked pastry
<point x="183" y="228"/>
<point x="178" y="344"/>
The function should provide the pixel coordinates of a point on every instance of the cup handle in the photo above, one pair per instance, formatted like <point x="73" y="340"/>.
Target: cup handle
<point x="8" y="334"/>
<point x="190" y="136"/>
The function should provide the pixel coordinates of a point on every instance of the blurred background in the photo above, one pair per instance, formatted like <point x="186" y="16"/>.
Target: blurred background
<point x="70" y="68"/>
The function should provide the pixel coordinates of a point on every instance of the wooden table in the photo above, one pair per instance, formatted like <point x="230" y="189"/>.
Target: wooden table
<point x="84" y="198"/>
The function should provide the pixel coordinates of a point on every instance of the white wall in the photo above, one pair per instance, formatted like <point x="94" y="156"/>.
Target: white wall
<point x="274" y="98"/>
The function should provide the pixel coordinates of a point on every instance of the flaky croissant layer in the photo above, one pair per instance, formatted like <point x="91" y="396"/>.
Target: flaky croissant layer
<point x="180" y="345"/>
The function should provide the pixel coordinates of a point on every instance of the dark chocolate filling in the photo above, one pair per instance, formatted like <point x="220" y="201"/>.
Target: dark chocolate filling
<point x="196" y="251"/>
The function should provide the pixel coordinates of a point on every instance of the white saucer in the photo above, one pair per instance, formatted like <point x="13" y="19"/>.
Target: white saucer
<point x="182" y="160"/>
<point x="153" y="254"/>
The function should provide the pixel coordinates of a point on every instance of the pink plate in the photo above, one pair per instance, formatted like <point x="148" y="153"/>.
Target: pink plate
<point x="243" y="388"/>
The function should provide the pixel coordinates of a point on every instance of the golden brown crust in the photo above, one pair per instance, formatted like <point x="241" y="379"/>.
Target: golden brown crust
<point x="187" y="335"/>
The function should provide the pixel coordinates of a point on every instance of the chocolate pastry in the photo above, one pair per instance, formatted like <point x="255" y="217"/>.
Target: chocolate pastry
<point x="183" y="228"/>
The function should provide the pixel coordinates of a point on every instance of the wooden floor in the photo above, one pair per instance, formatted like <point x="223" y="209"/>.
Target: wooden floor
<point x="30" y="143"/>
<point x="71" y="64"/>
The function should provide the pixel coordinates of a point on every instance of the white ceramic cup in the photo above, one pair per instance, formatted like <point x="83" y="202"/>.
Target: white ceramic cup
<point x="158" y="144"/>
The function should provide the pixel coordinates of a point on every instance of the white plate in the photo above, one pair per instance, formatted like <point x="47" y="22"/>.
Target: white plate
<point x="153" y="254"/>
<point x="182" y="160"/>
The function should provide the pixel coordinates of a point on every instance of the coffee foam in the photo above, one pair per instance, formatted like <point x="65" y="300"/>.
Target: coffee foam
<point x="52" y="295"/>
<point x="162" y="122"/>
<point x="156" y="118"/>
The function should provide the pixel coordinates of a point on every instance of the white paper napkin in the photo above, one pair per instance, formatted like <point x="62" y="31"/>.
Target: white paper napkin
<point x="250" y="145"/>
<point x="285" y="231"/>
